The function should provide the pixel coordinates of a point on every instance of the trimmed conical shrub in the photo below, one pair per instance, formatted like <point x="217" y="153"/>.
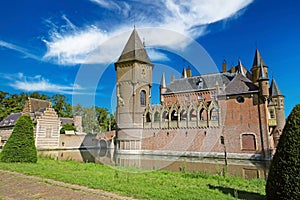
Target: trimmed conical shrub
<point x="284" y="176"/>
<point x="20" y="146"/>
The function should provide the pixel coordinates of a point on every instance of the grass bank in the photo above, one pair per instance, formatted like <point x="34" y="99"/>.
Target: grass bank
<point x="142" y="184"/>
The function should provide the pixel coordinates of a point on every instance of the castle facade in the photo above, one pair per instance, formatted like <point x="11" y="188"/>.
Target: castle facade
<point x="234" y="111"/>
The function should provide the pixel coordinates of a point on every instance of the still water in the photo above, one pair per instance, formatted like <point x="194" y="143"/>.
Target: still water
<point x="243" y="168"/>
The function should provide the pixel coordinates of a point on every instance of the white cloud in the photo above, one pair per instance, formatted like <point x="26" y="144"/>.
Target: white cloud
<point x="186" y="18"/>
<point x="18" y="49"/>
<point x="157" y="55"/>
<point x="38" y="83"/>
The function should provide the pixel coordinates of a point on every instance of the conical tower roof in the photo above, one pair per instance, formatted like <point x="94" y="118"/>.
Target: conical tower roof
<point x="134" y="50"/>
<point x="163" y="81"/>
<point x="240" y="68"/>
<point x="275" y="91"/>
<point x="262" y="73"/>
<point x="258" y="60"/>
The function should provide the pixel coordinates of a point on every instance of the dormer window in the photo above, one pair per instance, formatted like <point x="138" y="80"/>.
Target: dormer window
<point x="200" y="83"/>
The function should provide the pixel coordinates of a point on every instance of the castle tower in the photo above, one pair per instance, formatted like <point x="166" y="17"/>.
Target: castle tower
<point x="263" y="82"/>
<point x="256" y="71"/>
<point x="277" y="115"/>
<point x="163" y="87"/>
<point x="134" y="81"/>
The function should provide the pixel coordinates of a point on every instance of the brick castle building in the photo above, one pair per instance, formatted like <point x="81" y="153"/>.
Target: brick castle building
<point x="235" y="110"/>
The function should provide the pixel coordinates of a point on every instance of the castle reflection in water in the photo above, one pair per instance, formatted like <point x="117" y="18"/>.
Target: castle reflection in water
<point x="243" y="168"/>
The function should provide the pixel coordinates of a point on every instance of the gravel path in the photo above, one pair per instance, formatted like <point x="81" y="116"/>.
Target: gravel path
<point x="16" y="186"/>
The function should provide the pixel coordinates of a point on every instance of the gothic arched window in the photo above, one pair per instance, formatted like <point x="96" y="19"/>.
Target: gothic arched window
<point x="143" y="98"/>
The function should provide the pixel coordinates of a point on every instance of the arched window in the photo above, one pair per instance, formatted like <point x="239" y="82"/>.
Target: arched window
<point x="193" y="115"/>
<point x="148" y="117"/>
<point x="202" y="115"/>
<point x="156" y="116"/>
<point x="214" y="114"/>
<point x="143" y="98"/>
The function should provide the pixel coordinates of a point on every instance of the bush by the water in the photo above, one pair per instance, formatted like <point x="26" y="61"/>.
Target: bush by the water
<point x="67" y="127"/>
<point x="20" y="146"/>
<point x="284" y="176"/>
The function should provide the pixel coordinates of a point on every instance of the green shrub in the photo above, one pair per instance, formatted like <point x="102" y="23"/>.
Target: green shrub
<point x="20" y="146"/>
<point x="284" y="176"/>
<point x="67" y="127"/>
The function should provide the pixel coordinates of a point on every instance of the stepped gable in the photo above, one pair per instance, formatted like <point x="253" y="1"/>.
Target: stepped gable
<point x="134" y="50"/>
<point x="192" y="84"/>
<point x="240" y="85"/>
<point x="36" y="105"/>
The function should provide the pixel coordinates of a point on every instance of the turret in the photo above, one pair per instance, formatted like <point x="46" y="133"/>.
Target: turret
<point x="263" y="82"/>
<point x="256" y="67"/>
<point x="224" y="66"/>
<point x="277" y="115"/>
<point x="189" y="72"/>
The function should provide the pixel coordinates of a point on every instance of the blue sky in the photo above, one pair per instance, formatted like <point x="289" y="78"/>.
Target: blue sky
<point x="68" y="47"/>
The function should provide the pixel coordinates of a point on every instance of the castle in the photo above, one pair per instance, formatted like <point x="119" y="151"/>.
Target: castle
<point x="234" y="111"/>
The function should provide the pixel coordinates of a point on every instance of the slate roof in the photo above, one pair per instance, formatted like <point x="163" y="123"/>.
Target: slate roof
<point x="65" y="120"/>
<point x="134" y="50"/>
<point x="10" y="120"/>
<point x="274" y="89"/>
<point x="240" y="85"/>
<point x="194" y="83"/>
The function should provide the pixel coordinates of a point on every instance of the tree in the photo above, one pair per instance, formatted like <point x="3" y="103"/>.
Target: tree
<point x="103" y="118"/>
<point x="284" y="175"/>
<point x="61" y="106"/>
<point x="20" y="145"/>
<point x="89" y="121"/>
<point x="67" y="127"/>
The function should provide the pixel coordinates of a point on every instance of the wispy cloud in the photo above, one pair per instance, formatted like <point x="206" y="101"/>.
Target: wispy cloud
<point x="120" y="6"/>
<point x="37" y="83"/>
<point x="188" y="18"/>
<point x="19" y="49"/>
<point x="157" y="55"/>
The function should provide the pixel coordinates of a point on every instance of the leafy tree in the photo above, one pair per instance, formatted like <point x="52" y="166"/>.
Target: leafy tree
<point x="89" y="121"/>
<point x="20" y="146"/>
<point x="67" y="127"/>
<point x="61" y="106"/>
<point x="103" y="118"/>
<point x="37" y="95"/>
<point x="284" y="176"/>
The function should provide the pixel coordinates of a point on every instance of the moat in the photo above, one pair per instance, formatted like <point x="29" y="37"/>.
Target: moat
<point x="247" y="169"/>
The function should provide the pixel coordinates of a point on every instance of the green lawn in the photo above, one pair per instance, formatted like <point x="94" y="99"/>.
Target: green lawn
<point x="142" y="184"/>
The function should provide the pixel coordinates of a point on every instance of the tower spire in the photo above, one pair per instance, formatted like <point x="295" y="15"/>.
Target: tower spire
<point x="163" y="81"/>
<point x="262" y="72"/>
<point x="258" y="59"/>
<point x="240" y="67"/>
<point x="134" y="50"/>
<point x="184" y="74"/>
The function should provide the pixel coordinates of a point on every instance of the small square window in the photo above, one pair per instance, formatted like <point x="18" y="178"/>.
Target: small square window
<point x="200" y="96"/>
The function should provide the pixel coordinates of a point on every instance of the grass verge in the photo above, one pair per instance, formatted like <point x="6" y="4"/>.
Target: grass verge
<point x="143" y="184"/>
